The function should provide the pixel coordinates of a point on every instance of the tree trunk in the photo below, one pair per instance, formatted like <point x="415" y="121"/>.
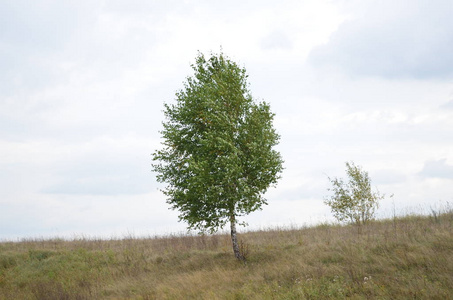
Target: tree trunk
<point x="234" y="239"/>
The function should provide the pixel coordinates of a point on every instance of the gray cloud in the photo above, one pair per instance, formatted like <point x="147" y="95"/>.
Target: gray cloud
<point x="429" y="132"/>
<point x="32" y="34"/>
<point x="304" y="191"/>
<point x="437" y="169"/>
<point x="448" y="105"/>
<point x="102" y="185"/>
<point x="35" y="26"/>
<point x="98" y="176"/>
<point x="413" y="40"/>
<point x="387" y="177"/>
<point x="153" y="8"/>
<point x="18" y="220"/>
<point x="276" y="40"/>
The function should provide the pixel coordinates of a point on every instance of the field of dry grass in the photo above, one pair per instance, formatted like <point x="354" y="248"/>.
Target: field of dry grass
<point x="403" y="258"/>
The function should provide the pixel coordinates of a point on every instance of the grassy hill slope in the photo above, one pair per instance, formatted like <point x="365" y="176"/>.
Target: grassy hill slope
<point x="402" y="258"/>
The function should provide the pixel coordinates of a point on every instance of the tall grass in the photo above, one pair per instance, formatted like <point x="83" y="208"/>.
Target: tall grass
<point x="401" y="258"/>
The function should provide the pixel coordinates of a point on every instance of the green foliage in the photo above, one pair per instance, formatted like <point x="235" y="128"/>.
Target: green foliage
<point x="218" y="158"/>
<point x="353" y="201"/>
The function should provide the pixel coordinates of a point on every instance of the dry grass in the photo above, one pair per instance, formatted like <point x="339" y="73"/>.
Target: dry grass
<point x="403" y="258"/>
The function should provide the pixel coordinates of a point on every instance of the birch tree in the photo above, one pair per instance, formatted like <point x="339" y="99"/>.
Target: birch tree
<point x="354" y="200"/>
<point x="218" y="156"/>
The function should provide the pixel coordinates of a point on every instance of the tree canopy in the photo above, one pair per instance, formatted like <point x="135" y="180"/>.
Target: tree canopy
<point x="218" y="157"/>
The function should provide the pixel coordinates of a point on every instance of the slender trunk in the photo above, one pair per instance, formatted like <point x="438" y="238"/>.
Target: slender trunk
<point x="234" y="239"/>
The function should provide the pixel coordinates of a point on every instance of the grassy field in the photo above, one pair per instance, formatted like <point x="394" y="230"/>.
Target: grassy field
<point x="402" y="258"/>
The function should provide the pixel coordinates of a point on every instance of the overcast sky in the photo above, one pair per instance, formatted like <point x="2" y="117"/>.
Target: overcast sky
<point x="83" y="83"/>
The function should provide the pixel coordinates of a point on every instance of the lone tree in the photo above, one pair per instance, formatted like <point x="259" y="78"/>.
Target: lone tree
<point x="218" y="157"/>
<point x="353" y="201"/>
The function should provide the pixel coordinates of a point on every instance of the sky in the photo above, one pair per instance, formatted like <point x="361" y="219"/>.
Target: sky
<point x="83" y="85"/>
